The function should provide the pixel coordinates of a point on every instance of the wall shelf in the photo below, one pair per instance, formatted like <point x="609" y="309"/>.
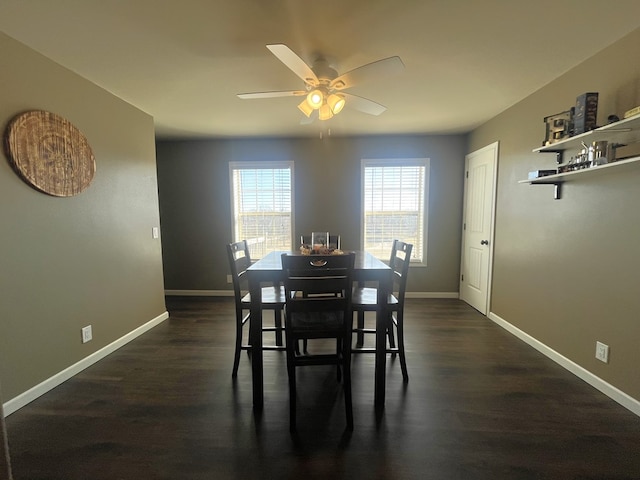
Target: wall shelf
<point x="621" y="133"/>
<point x="559" y="178"/>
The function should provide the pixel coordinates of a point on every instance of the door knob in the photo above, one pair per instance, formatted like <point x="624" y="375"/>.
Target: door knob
<point x="484" y="242"/>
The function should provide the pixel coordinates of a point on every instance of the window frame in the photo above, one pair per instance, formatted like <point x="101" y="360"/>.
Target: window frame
<point x="260" y="165"/>
<point x="419" y="250"/>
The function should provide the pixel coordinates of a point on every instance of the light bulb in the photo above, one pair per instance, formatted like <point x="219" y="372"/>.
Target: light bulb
<point x="315" y="99"/>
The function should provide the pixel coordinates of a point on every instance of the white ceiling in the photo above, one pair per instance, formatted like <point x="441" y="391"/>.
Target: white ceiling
<point x="183" y="61"/>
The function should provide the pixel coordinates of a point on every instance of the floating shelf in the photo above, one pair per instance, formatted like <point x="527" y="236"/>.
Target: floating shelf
<point x="559" y="178"/>
<point x="567" y="176"/>
<point x="622" y="132"/>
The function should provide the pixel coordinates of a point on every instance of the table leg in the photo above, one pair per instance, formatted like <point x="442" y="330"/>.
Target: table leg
<point x="255" y="338"/>
<point x="384" y="287"/>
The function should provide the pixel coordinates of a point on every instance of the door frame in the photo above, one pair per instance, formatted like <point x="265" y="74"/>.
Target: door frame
<point x="495" y="146"/>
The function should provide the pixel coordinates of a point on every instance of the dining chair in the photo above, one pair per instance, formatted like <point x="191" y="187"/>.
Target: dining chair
<point x="334" y="240"/>
<point x="365" y="299"/>
<point x="317" y="316"/>
<point x="273" y="298"/>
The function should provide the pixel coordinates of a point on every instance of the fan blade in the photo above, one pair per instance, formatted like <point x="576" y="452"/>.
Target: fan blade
<point x="287" y="93"/>
<point x="386" y="66"/>
<point x="294" y="62"/>
<point x="363" y="104"/>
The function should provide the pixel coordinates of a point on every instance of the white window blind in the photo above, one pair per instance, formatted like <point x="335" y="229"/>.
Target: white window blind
<point x="261" y="203"/>
<point x="394" y="205"/>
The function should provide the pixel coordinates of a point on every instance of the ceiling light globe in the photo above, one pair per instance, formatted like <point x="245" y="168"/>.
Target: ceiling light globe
<point x="305" y="108"/>
<point x="315" y="99"/>
<point x="325" y="112"/>
<point x="336" y="102"/>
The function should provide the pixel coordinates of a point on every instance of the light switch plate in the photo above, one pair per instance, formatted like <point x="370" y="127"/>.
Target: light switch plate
<point x="602" y="352"/>
<point x="87" y="334"/>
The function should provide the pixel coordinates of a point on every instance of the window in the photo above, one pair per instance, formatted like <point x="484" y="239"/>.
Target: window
<point x="262" y="205"/>
<point x="394" y="205"/>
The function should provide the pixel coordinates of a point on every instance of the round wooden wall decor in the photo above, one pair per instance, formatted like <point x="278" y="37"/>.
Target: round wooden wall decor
<point x="50" y="153"/>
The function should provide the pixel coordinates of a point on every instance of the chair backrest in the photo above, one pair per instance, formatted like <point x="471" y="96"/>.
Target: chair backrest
<point x="399" y="263"/>
<point x="314" y="274"/>
<point x="239" y="261"/>
<point x="334" y="240"/>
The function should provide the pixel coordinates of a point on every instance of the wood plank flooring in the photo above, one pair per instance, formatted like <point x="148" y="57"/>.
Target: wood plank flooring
<point x="480" y="404"/>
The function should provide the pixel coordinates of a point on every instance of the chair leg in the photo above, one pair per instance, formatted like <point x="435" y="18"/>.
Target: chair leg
<point x="391" y="335"/>
<point x="236" y="357"/>
<point x="277" y="316"/>
<point x="348" y="403"/>
<point x="291" y="371"/>
<point x="360" y="327"/>
<point x="403" y="359"/>
<point x="339" y="352"/>
<point x="304" y="347"/>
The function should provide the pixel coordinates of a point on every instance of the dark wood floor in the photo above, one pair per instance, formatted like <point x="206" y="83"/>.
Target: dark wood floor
<point x="480" y="404"/>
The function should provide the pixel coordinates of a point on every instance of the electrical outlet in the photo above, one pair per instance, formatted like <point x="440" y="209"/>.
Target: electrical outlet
<point x="155" y="232"/>
<point x="229" y="279"/>
<point x="87" y="334"/>
<point x="602" y="352"/>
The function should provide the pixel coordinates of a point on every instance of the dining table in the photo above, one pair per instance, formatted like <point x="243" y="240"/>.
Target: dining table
<point x="268" y="271"/>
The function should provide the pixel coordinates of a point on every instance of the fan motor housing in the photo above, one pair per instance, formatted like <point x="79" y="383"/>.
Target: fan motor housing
<point x="324" y="71"/>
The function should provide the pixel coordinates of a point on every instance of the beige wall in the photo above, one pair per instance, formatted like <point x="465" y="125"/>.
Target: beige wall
<point x="193" y="178"/>
<point x="565" y="271"/>
<point x="88" y="259"/>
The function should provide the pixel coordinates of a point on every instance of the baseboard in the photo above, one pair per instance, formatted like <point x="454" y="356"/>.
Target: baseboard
<point x="30" y="395"/>
<point x="229" y="293"/>
<point x="432" y="295"/>
<point x="609" y="390"/>
<point x="199" y="293"/>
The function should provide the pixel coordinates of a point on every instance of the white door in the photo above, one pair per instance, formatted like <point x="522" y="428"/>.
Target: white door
<point x="477" y="226"/>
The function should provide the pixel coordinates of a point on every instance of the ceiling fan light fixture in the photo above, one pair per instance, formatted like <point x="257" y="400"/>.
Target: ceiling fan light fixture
<point x="325" y="112"/>
<point x="323" y="85"/>
<point x="306" y="108"/>
<point x="315" y="99"/>
<point x="336" y="102"/>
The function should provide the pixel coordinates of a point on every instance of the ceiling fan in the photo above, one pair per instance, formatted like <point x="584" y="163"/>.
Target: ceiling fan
<point x="324" y="88"/>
